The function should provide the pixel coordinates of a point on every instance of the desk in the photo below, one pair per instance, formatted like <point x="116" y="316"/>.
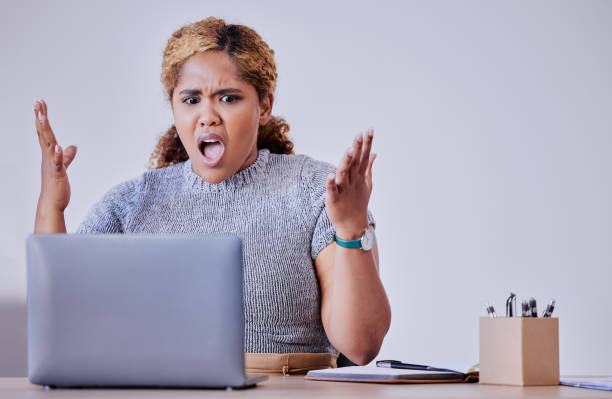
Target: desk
<point x="297" y="387"/>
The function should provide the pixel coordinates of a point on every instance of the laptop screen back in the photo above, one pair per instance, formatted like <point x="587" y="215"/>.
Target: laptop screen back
<point x="135" y="310"/>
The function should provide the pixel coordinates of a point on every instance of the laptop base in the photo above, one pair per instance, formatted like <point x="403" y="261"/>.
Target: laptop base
<point x="251" y="381"/>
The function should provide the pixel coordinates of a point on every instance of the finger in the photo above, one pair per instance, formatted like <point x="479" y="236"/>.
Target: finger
<point x="369" y="171"/>
<point x="342" y="176"/>
<point x="58" y="158"/>
<point x="332" y="189"/>
<point x="39" y="125"/>
<point x="357" y="146"/>
<point x="364" y="162"/>
<point x="41" y="140"/>
<point x="44" y="104"/>
<point x="44" y="139"/>
<point x="354" y="166"/>
<point x="69" y="154"/>
<point x="47" y="131"/>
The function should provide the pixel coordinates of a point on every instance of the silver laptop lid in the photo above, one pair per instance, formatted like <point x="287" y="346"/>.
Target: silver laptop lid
<point x="135" y="310"/>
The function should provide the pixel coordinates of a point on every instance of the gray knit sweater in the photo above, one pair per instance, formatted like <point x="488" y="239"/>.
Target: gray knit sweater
<point x="276" y="206"/>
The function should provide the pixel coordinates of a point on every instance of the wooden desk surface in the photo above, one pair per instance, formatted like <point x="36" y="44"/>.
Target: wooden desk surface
<point x="297" y="387"/>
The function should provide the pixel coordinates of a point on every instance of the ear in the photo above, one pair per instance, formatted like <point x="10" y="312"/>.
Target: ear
<point x="265" y="109"/>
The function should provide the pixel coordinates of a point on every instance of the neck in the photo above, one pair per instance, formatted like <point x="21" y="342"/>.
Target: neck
<point x="251" y="157"/>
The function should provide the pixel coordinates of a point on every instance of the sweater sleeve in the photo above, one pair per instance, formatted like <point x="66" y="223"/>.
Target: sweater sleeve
<point x="314" y="177"/>
<point x="112" y="212"/>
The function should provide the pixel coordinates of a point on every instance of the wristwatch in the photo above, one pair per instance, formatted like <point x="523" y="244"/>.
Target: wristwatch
<point x="366" y="242"/>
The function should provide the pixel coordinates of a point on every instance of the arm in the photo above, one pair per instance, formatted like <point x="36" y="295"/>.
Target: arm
<point x="54" y="188"/>
<point x="49" y="220"/>
<point x="354" y="307"/>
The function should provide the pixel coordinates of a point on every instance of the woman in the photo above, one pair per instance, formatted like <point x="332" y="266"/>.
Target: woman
<point x="227" y="166"/>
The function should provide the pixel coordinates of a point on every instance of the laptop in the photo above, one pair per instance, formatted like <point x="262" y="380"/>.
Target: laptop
<point x="131" y="310"/>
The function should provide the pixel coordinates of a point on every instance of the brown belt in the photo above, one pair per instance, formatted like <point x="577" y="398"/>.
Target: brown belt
<point x="288" y="363"/>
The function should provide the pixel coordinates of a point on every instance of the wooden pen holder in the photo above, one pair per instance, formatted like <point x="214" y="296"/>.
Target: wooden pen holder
<point x="519" y="350"/>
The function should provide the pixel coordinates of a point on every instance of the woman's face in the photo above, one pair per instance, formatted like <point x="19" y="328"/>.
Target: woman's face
<point x="217" y="115"/>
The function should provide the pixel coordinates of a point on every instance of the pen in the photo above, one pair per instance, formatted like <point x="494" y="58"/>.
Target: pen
<point x="396" y="364"/>
<point x="525" y="307"/>
<point x="511" y="305"/>
<point x="549" y="309"/>
<point x="490" y="310"/>
<point x="533" y="308"/>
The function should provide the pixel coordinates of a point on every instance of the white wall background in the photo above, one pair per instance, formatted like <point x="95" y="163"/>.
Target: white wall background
<point x="493" y="125"/>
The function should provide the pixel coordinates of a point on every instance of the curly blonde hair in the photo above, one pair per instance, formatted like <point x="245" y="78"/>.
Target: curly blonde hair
<point x="255" y="62"/>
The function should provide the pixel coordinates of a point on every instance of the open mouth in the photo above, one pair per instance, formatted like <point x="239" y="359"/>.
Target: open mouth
<point x="212" y="150"/>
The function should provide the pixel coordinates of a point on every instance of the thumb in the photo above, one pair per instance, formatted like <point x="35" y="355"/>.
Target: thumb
<point x="332" y="189"/>
<point x="69" y="154"/>
<point x="57" y="158"/>
<point x="369" y="169"/>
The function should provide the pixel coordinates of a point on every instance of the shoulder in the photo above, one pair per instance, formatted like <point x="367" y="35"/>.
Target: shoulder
<point x="119" y="204"/>
<point x="150" y="181"/>
<point x="315" y="172"/>
<point x="171" y="178"/>
<point x="309" y="171"/>
<point x="308" y="174"/>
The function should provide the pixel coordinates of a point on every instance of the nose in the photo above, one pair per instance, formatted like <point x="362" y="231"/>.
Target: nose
<point x="209" y="116"/>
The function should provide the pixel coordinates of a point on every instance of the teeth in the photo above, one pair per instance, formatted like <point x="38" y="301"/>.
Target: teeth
<point x="211" y="141"/>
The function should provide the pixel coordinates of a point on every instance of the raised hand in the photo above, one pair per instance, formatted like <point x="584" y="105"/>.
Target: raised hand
<point x="349" y="189"/>
<point x="54" y="188"/>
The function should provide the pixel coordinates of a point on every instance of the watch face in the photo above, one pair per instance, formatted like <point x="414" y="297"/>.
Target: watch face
<point x="367" y="241"/>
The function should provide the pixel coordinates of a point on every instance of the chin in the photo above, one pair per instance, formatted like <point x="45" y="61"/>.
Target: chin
<point x="212" y="175"/>
<point x="217" y="179"/>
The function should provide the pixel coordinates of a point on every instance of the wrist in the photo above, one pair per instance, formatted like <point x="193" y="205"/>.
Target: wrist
<point x="348" y="233"/>
<point x="49" y="222"/>
<point x="48" y="206"/>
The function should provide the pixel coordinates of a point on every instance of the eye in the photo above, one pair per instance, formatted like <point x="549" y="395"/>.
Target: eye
<point x="191" y="98"/>
<point x="229" y="99"/>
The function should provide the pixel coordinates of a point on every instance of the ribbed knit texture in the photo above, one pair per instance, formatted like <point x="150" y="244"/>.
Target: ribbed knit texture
<point x="276" y="206"/>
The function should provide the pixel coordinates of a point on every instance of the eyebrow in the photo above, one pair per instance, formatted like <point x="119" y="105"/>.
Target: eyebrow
<point x="218" y="92"/>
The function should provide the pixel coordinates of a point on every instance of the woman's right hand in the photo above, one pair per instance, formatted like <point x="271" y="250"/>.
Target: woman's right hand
<point x="54" y="188"/>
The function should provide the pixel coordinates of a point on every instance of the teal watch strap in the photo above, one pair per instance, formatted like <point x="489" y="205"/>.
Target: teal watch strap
<point x="349" y="243"/>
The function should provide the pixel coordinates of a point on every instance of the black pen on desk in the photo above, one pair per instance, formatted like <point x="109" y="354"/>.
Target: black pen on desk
<point x="396" y="364"/>
<point x="549" y="309"/>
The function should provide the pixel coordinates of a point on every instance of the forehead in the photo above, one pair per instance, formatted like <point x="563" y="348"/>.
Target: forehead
<point x="209" y="70"/>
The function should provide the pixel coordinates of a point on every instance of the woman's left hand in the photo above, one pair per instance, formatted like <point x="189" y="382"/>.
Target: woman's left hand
<point x="348" y="191"/>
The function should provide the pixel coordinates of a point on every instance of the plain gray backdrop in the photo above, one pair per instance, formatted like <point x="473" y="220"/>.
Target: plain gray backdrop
<point x="493" y="126"/>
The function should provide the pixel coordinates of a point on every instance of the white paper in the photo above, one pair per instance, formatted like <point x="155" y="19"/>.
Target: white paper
<point x="604" y="383"/>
